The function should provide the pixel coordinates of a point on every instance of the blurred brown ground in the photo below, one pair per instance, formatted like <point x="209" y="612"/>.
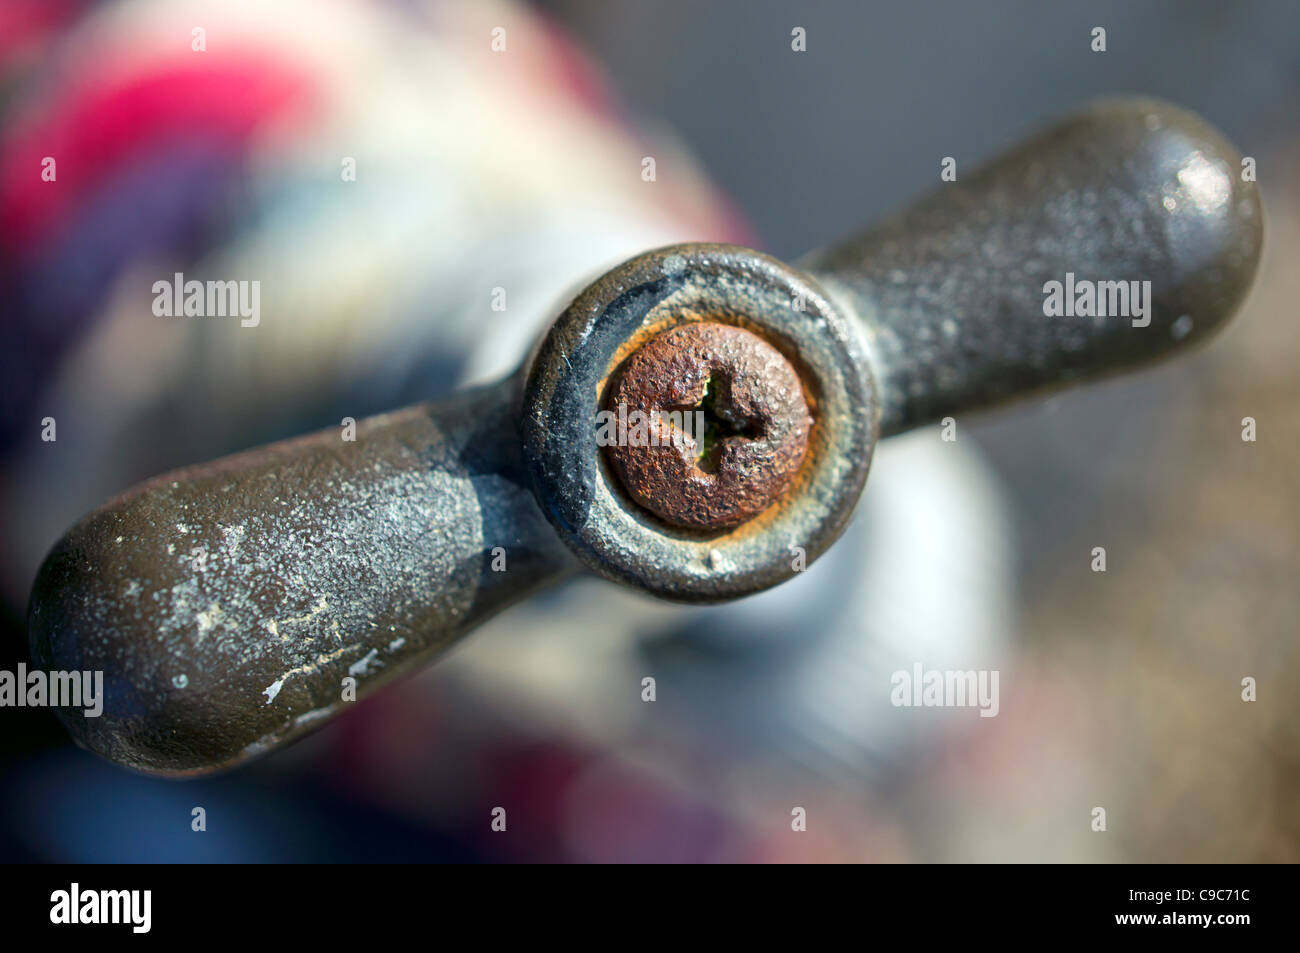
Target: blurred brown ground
<point x="1137" y="706"/>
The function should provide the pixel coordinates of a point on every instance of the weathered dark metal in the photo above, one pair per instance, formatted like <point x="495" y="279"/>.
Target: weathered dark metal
<point x="227" y="603"/>
<point x="570" y="372"/>
<point x="724" y="425"/>
<point x="951" y="291"/>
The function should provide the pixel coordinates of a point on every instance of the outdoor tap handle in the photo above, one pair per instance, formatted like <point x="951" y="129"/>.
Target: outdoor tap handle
<point x="235" y="605"/>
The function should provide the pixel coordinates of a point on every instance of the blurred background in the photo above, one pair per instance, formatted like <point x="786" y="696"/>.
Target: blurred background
<point x="522" y="169"/>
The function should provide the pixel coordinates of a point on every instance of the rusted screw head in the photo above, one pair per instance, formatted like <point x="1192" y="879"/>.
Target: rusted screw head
<point x="707" y="425"/>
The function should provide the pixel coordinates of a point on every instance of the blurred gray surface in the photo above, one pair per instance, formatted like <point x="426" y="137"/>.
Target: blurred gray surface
<point x="813" y="145"/>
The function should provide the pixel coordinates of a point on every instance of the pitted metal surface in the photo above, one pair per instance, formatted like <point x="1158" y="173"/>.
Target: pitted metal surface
<point x="739" y="434"/>
<point x="227" y="603"/>
<point x="567" y="378"/>
<point x="951" y="289"/>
